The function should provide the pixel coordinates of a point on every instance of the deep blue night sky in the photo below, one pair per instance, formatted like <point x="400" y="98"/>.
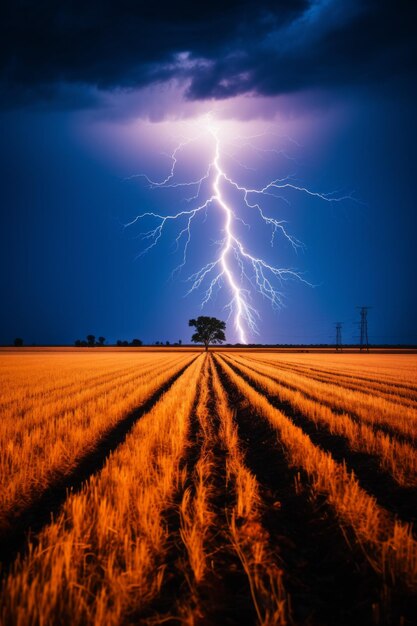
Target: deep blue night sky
<point x="76" y="86"/>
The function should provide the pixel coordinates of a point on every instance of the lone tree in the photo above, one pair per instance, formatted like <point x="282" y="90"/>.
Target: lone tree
<point x="208" y="330"/>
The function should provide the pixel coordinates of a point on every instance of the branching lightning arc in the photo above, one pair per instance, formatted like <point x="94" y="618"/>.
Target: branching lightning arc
<point x="234" y="264"/>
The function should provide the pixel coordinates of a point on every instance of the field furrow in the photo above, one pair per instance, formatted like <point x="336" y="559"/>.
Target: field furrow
<point x="57" y="401"/>
<point x="383" y="467"/>
<point x="394" y="456"/>
<point x="191" y="522"/>
<point x="388" y="543"/>
<point x="34" y="517"/>
<point x="392" y="391"/>
<point x="300" y="528"/>
<point x="212" y="585"/>
<point x="55" y="445"/>
<point x="376" y="411"/>
<point x="250" y="539"/>
<point x="104" y="555"/>
<point x="397" y="370"/>
<point x="230" y="487"/>
<point x="25" y="383"/>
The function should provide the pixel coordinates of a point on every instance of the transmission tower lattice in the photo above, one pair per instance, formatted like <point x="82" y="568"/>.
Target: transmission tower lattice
<point x="364" y="342"/>
<point x="338" y="336"/>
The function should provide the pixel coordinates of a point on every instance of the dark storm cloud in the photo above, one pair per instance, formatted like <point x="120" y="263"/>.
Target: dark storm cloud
<point x="219" y="48"/>
<point x="332" y="44"/>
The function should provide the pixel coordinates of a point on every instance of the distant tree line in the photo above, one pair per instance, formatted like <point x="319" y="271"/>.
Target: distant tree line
<point x="89" y="342"/>
<point x="167" y="343"/>
<point x="135" y="343"/>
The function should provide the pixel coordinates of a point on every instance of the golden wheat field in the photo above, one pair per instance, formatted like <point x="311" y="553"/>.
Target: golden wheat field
<point x="228" y="487"/>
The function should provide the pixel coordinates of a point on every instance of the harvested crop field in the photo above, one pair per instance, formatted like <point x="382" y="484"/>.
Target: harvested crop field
<point x="228" y="487"/>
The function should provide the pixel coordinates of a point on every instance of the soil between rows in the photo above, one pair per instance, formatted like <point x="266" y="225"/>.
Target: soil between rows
<point x="25" y="526"/>
<point x="384" y="428"/>
<point x="339" y="379"/>
<point x="399" y="501"/>
<point x="330" y="582"/>
<point x="223" y="597"/>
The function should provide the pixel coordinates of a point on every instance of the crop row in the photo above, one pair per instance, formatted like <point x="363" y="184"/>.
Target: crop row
<point x="393" y="388"/>
<point x="389" y="544"/>
<point x="368" y="407"/>
<point x="103" y="557"/>
<point x="45" y="442"/>
<point x="189" y="516"/>
<point x="396" y="457"/>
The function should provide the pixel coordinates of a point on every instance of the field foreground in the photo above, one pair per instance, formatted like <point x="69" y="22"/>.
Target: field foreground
<point x="233" y="487"/>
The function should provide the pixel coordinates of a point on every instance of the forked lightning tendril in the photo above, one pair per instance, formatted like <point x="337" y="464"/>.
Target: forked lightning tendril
<point x="234" y="265"/>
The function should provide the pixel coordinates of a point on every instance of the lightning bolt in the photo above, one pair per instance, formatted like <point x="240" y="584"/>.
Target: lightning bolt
<point x="232" y="253"/>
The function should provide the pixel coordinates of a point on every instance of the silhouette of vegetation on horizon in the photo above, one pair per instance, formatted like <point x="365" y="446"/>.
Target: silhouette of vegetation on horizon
<point x="90" y="342"/>
<point x="135" y="343"/>
<point x="208" y="330"/>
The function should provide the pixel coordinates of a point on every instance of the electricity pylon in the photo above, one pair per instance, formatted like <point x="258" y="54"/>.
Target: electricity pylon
<point x="364" y="342"/>
<point x="339" y="336"/>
